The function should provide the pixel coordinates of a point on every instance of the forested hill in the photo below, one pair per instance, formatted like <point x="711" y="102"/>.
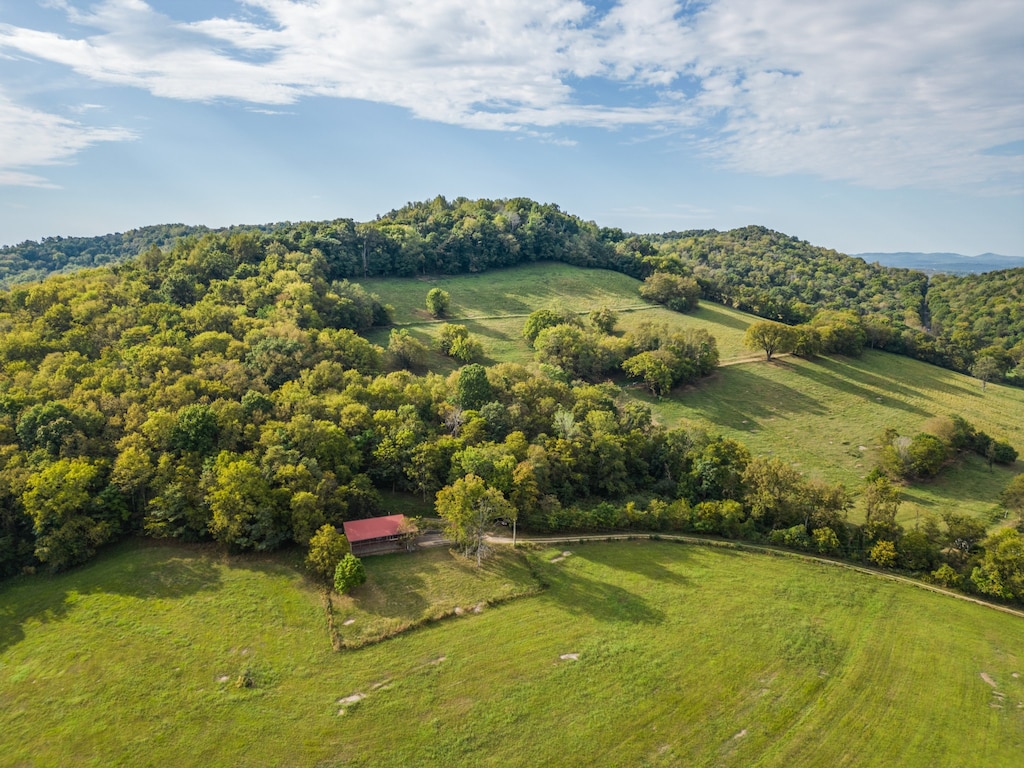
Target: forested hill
<point x="221" y="389"/>
<point x="31" y="261"/>
<point x="753" y="268"/>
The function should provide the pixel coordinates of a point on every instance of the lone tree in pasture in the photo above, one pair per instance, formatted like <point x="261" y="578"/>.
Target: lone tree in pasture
<point x="455" y="341"/>
<point x="769" y="337"/>
<point x="349" y="574"/>
<point x="438" y="302"/>
<point x="986" y="369"/>
<point x="1012" y="497"/>
<point x="469" y="507"/>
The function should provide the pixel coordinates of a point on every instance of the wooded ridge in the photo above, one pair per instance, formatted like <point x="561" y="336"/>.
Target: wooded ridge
<point x="955" y="322"/>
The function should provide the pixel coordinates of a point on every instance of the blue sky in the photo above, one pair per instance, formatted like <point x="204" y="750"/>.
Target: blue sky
<point x="860" y="125"/>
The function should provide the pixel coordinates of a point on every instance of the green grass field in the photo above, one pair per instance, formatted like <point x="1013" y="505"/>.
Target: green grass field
<point x="686" y="656"/>
<point x="411" y="591"/>
<point x="825" y="416"/>
<point x="494" y="306"/>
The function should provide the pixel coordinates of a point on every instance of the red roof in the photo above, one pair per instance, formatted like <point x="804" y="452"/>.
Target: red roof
<point x="373" y="528"/>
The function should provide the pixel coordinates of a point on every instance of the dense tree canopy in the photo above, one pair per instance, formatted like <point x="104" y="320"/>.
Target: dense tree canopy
<point x="219" y="389"/>
<point x="948" y="320"/>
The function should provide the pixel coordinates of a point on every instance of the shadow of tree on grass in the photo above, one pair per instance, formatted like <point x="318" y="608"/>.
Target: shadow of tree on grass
<point x="579" y="594"/>
<point x="166" y="571"/>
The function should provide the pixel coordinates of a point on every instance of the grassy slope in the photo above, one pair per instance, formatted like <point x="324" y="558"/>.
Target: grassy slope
<point x="826" y="416"/>
<point x="816" y="414"/>
<point x="687" y="656"/>
<point x="494" y="305"/>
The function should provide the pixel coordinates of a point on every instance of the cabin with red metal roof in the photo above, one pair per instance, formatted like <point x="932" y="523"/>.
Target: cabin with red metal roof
<point x="375" y="534"/>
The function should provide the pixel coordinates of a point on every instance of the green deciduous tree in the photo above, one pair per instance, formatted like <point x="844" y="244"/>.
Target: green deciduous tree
<point x="604" y="319"/>
<point x="455" y="341"/>
<point x="883" y="553"/>
<point x="881" y="501"/>
<point x="774" y="492"/>
<point x="405" y="350"/>
<point x="841" y="331"/>
<point x="544" y="318"/>
<point x="1012" y="496"/>
<point x="653" y="368"/>
<point x="769" y="337"/>
<point x="986" y="369"/>
<point x="438" y="302"/>
<point x="963" y="533"/>
<point x="132" y="473"/>
<point x="473" y="388"/>
<point x="60" y="500"/>
<point x="47" y="425"/>
<point x="825" y="540"/>
<point x="571" y="348"/>
<point x="307" y="516"/>
<point x="1001" y="572"/>
<point x="917" y="552"/>
<point x="327" y="548"/>
<point x="349" y="574"/>
<point x="674" y="291"/>
<point x="195" y="429"/>
<point x="469" y="507"/>
<point x="926" y="454"/>
<point x="245" y="512"/>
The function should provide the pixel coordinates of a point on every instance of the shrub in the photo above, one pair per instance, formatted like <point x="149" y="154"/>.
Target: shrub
<point x="795" y="537"/>
<point x="946" y="576"/>
<point x="604" y="319"/>
<point x="1003" y="453"/>
<point x="825" y="540"/>
<point x="883" y="554"/>
<point x="926" y="455"/>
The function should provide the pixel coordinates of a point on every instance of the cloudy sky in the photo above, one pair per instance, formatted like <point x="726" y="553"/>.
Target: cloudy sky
<point x="861" y="125"/>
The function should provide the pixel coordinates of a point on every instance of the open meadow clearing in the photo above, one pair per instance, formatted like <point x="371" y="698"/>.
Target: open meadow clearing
<point x="827" y="415"/>
<point x="494" y="306"/>
<point x="637" y="653"/>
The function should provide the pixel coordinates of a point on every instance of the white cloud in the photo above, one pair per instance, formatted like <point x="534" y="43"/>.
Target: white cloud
<point x="31" y="138"/>
<point x="883" y="93"/>
<point x="879" y="92"/>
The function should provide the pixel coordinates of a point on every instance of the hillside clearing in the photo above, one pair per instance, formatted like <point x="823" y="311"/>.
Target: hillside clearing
<point x="826" y="415"/>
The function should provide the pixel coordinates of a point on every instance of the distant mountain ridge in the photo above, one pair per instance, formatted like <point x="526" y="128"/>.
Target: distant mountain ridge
<point x="952" y="263"/>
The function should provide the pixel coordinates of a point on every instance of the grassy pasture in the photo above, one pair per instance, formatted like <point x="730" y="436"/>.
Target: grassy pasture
<point x="686" y="656"/>
<point x="816" y="414"/>
<point x="407" y="592"/>
<point x="826" y="416"/>
<point x="494" y="306"/>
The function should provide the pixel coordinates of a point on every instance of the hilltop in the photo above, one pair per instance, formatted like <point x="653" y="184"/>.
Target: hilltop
<point x="755" y="269"/>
